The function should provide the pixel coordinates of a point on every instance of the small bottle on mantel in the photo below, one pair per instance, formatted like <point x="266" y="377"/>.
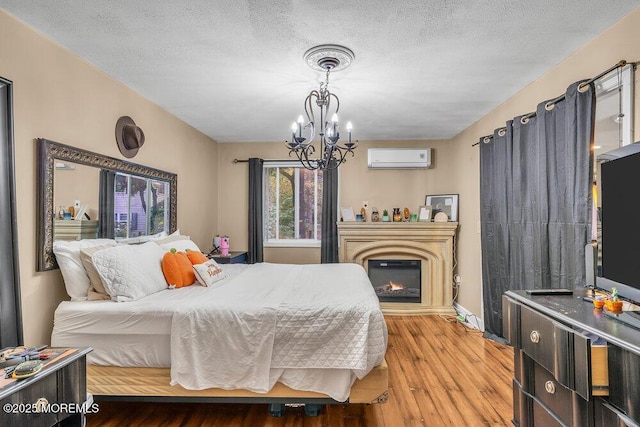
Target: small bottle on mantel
<point x="397" y="216"/>
<point x="363" y="212"/>
<point x="375" y="215"/>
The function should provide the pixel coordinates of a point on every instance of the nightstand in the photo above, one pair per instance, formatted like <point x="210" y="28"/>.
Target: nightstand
<point x="232" y="258"/>
<point x="58" y="391"/>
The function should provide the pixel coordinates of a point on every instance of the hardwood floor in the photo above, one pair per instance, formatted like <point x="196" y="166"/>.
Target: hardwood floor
<point x="440" y="374"/>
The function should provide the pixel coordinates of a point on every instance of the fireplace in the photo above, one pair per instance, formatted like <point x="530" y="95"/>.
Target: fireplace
<point x="396" y="280"/>
<point x="428" y="243"/>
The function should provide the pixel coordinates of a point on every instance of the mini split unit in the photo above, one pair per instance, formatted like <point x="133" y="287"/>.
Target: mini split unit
<point x="399" y="158"/>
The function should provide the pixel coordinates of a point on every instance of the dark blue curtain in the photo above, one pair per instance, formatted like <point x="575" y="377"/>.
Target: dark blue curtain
<point x="10" y="313"/>
<point x="535" y="191"/>
<point x="329" y="242"/>
<point x="255" y="252"/>
<point x="106" y="212"/>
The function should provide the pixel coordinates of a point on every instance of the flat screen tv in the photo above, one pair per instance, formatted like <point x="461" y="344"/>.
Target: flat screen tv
<point x="620" y="215"/>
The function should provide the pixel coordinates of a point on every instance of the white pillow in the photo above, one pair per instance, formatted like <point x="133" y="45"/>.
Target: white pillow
<point x="130" y="272"/>
<point x="96" y="288"/>
<point x="180" y="243"/>
<point x="67" y="254"/>
<point x="143" y="239"/>
<point x="208" y="273"/>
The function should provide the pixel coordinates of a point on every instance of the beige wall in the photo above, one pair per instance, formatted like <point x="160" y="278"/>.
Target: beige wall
<point x="384" y="189"/>
<point x="61" y="97"/>
<point x="618" y="42"/>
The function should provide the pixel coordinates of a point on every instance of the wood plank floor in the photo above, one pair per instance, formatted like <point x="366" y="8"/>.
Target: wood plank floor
<point x="440" y="374"/>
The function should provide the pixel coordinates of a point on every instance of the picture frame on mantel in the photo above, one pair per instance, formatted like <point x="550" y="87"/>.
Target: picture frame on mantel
<point x="447" y="203"/>
<point x="347" y="214"/>
<point x="424" y="214"/>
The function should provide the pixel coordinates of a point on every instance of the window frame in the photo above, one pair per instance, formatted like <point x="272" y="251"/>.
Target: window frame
<point x="296" y="242"/>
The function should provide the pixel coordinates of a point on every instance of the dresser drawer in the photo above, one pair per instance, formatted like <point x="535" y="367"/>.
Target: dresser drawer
<point x="547" y="342"/>
<point x="59" y="389"/>
<point x="599" y="369"/>
<point x="608" y="416"/>
<point x="22" y="411"/>
<point x="566" y="404"/>
<point x="544" y="418"/>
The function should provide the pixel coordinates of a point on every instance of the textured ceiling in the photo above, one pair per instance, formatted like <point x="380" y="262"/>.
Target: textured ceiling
<point x="424" y="69"/>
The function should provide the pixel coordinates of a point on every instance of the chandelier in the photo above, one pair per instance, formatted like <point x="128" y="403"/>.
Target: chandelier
<point x="330" y="153"/>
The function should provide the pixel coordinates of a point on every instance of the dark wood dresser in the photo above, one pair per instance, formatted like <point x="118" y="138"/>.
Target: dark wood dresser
<point x="53" y="397"/>
<point x="574" y="365"/>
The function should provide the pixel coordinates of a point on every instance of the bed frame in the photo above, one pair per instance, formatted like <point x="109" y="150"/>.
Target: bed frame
<point x="152" y="385"/>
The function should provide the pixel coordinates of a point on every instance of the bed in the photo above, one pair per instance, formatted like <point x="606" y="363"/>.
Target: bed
<point x="267" y="333"/>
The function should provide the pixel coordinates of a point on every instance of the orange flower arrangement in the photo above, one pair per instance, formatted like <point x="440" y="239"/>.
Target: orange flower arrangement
<point x="613" y="302"/>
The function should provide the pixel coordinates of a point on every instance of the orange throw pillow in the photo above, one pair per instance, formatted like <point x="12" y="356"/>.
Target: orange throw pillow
<point x="177" y="269"/>
<point x="196" y="257"/>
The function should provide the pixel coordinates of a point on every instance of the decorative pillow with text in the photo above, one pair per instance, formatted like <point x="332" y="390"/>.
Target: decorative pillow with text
<point x="208" y="273"/>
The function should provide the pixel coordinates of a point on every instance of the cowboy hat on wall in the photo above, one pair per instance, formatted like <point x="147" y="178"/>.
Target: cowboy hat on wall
<point x="129" y="136"/>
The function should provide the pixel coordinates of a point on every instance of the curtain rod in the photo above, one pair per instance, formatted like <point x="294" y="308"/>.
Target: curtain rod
<point x="266" y="160"/>
<point x="525" y="118"/>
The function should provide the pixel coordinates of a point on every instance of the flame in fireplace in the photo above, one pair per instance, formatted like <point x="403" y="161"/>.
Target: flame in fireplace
<point x="396" y="286"/>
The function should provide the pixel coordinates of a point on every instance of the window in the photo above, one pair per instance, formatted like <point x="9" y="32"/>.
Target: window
<point x="139" y="206"/>
<point x="292" y="205"/>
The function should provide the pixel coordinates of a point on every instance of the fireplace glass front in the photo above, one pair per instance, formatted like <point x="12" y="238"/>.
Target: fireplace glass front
<point x="396" y="280"/>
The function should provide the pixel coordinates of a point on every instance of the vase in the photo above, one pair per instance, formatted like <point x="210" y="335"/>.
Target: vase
<point x="397" y="216"/>
<point x="385" y="218"/>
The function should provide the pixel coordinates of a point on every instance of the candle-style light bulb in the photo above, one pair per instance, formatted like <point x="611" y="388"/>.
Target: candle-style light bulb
<point x="294" y="127"/>
<point x="349" y="129"/>
<point x="334" y="120"/>
<point x="300" y="122"/>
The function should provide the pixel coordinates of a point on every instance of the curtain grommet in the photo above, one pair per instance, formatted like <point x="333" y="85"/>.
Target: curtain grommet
<point x="502" y="132"/>
<point x="486" y="139"/>
<point x="549" y="106"/>
<point x="524" y="120"/>
<point x="582" y="87"/>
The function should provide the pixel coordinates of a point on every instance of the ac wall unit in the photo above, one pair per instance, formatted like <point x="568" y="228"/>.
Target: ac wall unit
<point x="399" y="158"/>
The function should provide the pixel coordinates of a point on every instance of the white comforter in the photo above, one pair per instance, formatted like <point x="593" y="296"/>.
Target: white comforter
<point x="269" y="321"/>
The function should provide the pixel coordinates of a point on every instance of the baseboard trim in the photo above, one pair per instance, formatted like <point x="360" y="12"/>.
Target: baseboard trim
<point x="473" y="321"/>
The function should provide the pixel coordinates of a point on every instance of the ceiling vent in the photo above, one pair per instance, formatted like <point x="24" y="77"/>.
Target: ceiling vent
<point x="399" y="158"/>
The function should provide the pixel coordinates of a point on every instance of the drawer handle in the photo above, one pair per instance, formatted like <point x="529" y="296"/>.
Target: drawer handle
<point x="535" y="337"/>
<point x="41" y="405"/>
<point x="550" y="387"/>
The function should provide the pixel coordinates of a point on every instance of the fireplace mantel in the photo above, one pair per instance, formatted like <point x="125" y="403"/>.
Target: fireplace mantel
<point x="430" y="242"/>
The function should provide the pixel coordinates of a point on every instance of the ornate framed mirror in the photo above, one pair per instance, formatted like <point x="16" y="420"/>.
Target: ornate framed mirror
<point x="55" y="158"/>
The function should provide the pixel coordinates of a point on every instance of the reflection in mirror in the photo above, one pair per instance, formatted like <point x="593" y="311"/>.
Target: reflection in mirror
<point x="108" y="198"/>
<point x="139" y="206"/>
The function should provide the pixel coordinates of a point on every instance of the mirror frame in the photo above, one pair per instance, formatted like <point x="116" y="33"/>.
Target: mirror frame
<point x="48" y="153"/>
